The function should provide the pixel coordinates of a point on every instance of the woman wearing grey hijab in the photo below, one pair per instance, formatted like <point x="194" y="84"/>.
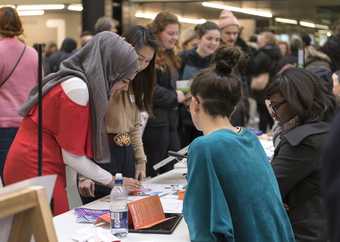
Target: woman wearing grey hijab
<point x="75" y="101"/>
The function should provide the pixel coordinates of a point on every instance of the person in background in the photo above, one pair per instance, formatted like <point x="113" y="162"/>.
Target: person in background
<point x="253" y="42"/>
<point x="320" y="64"/>
<point x="230" y="28"/>
<point x="193" y="61"/>
<point x="127" y="152"/>
<point x="18" y="74"/>
<point x="75" y="101"/>
<point x="85" y="37"/>
<point x="284" y="48"/>
<point x="189" y="39"/>
<point x="263" y="68"/>
<point x="105" y="24"/>
<point x="196" y="59"/>
<point x="296" y="44"/>
<point x="161" y="131"/>
<point x="297" y="102"/>
<point x="67" y="48"/>
<point x="232" y="193"/>
<point x="231" y="37"/>
<point x="332" y="47"/>
<point x="50" y="49"/>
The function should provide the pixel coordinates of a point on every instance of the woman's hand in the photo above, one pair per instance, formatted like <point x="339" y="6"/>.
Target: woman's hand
<point x="86" y="187"/>
<point x="140" y="171"/>
<point x="131" y="184"/>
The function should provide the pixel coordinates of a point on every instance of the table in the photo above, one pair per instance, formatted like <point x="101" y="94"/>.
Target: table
<point x="65" y="224"/>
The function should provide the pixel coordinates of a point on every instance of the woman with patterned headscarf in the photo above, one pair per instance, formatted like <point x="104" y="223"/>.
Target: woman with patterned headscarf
<point x="75" y="101"/>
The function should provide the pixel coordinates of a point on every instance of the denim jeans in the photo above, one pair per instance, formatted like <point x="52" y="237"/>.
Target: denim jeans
<point x="6" y="138"/>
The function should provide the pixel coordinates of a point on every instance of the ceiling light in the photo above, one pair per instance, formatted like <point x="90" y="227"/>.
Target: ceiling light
<point x="321" y="26"/>
<point x="41" y="7"/>
<point x="307" y="24"/>
<point x="75" y="7"/>
<point x="286" y="20"/>
<point x="31" y="13"/>
<point x="7" y="5"/>
<point x="151" y="15"/>
<point x="191" y="20"/>
<point x="251" y="11"/>
<point x="146" y="15"/>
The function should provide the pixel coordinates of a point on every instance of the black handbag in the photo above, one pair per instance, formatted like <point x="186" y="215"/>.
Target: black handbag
<point x="15" y="66"/>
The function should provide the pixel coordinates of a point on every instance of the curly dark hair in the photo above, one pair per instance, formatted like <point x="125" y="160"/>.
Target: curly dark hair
<point x="302" y="91"/>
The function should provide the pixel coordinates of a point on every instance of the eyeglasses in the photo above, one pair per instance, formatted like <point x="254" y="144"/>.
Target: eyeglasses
<point x="275" y="106"/>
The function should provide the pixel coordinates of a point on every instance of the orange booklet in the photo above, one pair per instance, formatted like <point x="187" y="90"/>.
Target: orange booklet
<point x="146" y="212"/>
<point x="143" y="213"/>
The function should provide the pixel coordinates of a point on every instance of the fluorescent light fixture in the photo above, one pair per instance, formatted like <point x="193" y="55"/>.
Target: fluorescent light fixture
<point x="31" y="13"/>
<point x="191" y="20"/>
<point x="146" y="15"/>
<point x="41" y="7"/>
<point x="321" y="26"/>
<point x="151" y="15"/>
<point x="286" y="20"/>
<point x="7" y="5"/>
<point x="307" y="24"/>
<point x="250" y="11"/>
<point x="75" y="7"/>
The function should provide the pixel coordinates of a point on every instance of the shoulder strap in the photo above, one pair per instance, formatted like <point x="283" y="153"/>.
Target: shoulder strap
<point x="15" y="66"/>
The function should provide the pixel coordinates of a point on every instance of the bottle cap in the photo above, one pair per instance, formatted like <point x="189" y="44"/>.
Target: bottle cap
<point x="119" y="178"/>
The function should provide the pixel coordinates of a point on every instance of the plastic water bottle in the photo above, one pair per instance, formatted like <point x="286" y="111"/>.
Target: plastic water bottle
<point x="119" y="209"/>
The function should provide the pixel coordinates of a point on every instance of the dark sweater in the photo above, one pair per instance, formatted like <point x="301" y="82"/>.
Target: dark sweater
<point x="192" y="63"/>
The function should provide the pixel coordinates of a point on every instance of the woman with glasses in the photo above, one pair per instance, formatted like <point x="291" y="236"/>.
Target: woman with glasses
<point x="295" y="99"/>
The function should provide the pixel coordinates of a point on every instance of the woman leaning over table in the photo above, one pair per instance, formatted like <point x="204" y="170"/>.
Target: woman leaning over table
<point x="127" y="152"/>
<point x="75" y="100"/>
<point x="296" y="101"/>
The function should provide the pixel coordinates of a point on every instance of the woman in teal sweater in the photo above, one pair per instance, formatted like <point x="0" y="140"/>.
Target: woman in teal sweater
<point x="232" y="193"/>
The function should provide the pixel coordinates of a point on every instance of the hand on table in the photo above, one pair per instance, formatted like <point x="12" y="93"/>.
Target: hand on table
<point x="140" y="171"/>
<point x="86" y="187"/>
<point x="131" y="184"/>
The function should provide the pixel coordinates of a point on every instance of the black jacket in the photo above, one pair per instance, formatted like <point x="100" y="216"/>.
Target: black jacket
<point x="192" y="63"/>
<point x="297" y="167"/>
<point x="332" y="49"/>
<point x="164" y="101"/>
<point x="331" y="180"/>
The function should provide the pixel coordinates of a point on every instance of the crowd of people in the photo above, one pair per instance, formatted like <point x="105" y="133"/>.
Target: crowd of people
<point x="113" y="105"/>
